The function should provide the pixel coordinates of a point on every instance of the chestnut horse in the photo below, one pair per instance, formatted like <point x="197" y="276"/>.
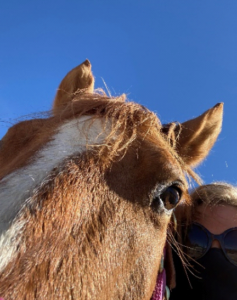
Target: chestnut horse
<point x="87" y="192"/>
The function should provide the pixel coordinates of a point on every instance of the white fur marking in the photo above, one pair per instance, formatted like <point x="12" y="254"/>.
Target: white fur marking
<point x="17" y="187"/>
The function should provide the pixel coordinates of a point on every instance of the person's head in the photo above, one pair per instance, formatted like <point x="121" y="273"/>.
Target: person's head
<point x="212" y="240"/>
<point x="215" y="207"/>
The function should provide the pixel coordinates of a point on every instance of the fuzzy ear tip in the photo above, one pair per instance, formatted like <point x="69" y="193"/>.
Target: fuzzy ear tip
<point x="87" y="63"/>
<point x="219" y="105"/>
<point x="218" y="109"/>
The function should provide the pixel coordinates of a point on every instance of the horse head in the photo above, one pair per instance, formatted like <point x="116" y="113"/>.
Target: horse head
<point x="86" y="194"/>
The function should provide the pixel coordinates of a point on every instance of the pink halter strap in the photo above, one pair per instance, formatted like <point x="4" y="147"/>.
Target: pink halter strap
<point x="159" y="291"/>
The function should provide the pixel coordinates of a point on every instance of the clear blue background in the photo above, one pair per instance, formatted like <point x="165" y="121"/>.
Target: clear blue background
<point x="176" y="57"/>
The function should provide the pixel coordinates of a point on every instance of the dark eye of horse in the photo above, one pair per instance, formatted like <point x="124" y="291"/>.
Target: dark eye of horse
<point x="171" y="196"/>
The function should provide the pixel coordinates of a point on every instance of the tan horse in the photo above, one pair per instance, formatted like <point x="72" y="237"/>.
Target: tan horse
<point x="86" y="194"/>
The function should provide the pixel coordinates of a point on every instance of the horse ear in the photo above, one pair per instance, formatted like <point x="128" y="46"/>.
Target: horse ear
<point x="78" y="79"/>
<point x="198" y="135"/>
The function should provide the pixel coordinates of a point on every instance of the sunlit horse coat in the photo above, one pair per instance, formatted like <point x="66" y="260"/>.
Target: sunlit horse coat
<point x="86" y="194"/>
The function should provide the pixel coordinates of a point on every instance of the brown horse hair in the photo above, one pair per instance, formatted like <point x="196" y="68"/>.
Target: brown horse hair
<point x="127" y="118"/>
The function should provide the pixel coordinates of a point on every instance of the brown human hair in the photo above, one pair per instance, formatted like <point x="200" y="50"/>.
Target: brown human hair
<point x="214" y="194"/>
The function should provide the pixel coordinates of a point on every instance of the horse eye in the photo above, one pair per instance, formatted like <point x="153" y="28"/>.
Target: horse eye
<point x="171" y="196"/>
<point x="168" y="199"/>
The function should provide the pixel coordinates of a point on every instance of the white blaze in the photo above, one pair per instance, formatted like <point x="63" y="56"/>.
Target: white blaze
<point x="72" y="137"/>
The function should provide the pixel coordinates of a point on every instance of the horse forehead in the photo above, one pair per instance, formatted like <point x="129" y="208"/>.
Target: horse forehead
<point x="18" y="185"/>
<point x="25" y="140"/>
<point x="160" y="159"/>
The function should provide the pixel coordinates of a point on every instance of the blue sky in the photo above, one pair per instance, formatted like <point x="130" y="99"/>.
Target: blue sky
<point x="178" y="58"/>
